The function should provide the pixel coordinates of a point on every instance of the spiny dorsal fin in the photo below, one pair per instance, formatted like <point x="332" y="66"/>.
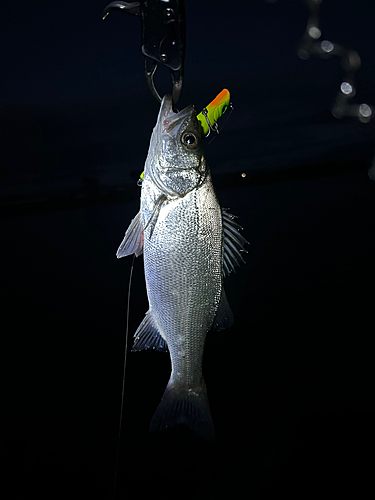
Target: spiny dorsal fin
<point x="133" y="240"/>
<point x="233" y="243"/>
<point x="147" y="336"/>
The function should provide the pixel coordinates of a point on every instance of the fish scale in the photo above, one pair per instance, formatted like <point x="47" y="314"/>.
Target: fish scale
<point x="182" y="263"/>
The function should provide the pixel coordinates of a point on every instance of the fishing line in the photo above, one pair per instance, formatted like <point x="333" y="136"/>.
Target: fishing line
<point x="123" y="383"/>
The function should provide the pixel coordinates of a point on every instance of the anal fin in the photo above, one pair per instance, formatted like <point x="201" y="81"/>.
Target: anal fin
<point x="147" y="336"/>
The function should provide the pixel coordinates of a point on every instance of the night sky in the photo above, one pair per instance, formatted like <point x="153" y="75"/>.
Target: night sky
<point x="291" y="383"/>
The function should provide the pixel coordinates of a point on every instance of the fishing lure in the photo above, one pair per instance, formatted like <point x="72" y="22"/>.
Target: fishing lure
<point x="210" y="115"/>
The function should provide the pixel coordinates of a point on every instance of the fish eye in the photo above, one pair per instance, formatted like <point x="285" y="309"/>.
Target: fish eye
<point x="189" y="140"/>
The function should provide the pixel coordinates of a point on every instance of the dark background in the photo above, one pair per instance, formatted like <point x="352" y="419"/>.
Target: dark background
<point x="291" y="383"/>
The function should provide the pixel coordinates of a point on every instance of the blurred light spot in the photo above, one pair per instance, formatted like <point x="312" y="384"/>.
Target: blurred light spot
<point x="303" y="54"/>
<point x="371" y="172"/>
<point x="327" y="46"/>
<point x="338" y="111"/>
<point x="314" y="32"/>
<point x="243" y="175"/>
<point x="354" y="60"/>
<point x="365" y="110"/>
<point x="346" y="88"/>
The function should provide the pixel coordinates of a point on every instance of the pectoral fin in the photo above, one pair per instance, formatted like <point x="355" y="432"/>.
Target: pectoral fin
<point x="147" y="336"/>
<point x="155" y="213"/>
<point x="133" y="240"/>
<point x="224" y="316"/>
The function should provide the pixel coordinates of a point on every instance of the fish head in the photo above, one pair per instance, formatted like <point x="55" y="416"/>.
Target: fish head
<point x="178" y="165"/>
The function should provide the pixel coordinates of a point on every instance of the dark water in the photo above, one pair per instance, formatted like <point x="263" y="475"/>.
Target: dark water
<point x="290" y="384"/>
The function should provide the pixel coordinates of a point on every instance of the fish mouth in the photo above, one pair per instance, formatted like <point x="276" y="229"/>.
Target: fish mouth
<point x="169" y="118"/>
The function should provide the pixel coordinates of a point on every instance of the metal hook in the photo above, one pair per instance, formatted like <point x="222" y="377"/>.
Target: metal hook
<point x="212" y="127"/>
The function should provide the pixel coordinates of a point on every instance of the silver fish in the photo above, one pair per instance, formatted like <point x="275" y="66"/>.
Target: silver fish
<point x="189" y="245"/>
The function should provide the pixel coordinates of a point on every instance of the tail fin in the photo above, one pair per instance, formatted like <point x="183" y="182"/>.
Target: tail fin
<point x="183" y="406"/>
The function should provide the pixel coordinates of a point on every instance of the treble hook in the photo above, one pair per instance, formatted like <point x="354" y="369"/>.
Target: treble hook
<point x="163" y="37"/>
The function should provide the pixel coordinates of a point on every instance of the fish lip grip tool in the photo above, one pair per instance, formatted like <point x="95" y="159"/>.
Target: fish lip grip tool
<point x="163" y="37"/>
<point x="210" y="115"/>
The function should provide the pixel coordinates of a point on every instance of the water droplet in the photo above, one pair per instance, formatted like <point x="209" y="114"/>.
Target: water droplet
<point x="365" y="110"/>
<point x="346" y="88"/>
<point x="314" y="32"/>
<point x="327" y="46"/>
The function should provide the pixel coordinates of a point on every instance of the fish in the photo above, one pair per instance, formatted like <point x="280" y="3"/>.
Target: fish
<point x="189" y="245"/>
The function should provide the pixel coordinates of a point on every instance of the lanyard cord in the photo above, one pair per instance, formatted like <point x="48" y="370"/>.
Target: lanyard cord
<point x="123" y="384"/>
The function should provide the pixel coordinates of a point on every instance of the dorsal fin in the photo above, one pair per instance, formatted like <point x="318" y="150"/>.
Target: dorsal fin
<point x="233" y="243"/>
